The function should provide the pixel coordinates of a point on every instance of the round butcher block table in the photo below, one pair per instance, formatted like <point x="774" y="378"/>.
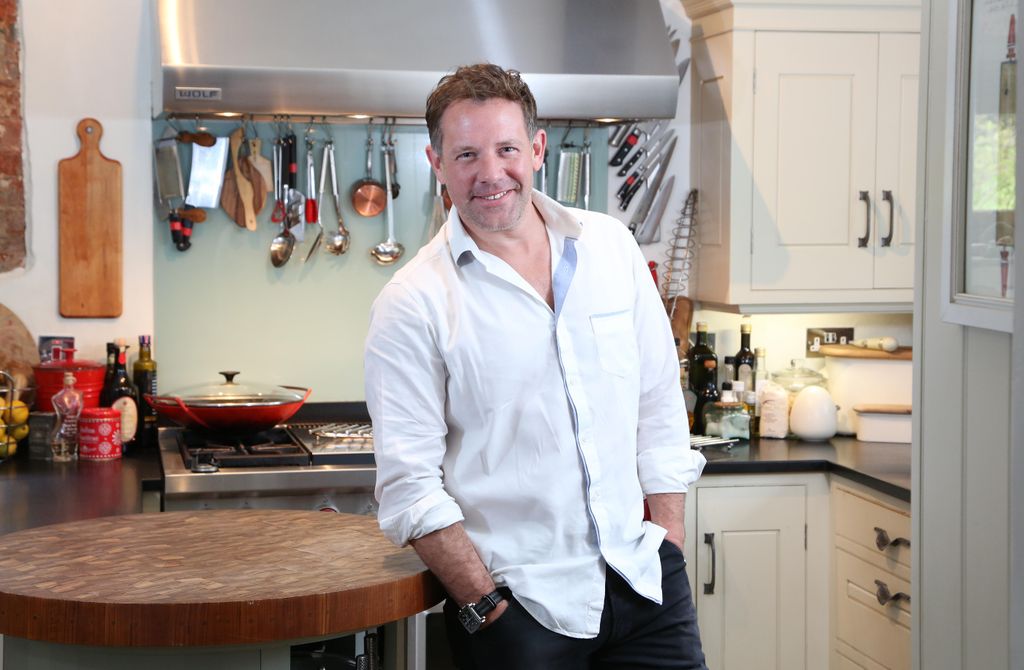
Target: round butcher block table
<point x="240" y="585"/>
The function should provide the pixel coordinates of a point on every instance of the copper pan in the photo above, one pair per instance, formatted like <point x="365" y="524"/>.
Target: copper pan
<point x="368" y="196"/>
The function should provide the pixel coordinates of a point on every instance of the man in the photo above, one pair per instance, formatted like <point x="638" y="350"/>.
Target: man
<point x="524" y="390"/>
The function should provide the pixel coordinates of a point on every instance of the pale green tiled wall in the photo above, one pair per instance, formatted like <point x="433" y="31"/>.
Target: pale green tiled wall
<point x="222" y="305"/>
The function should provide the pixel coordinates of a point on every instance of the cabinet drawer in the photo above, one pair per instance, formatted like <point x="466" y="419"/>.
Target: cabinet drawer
<point x="880" y="632"/>
<point x="857" y="518"/>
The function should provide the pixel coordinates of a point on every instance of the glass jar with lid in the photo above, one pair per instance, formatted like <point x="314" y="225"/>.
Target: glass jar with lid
<point x="727" y="417"/>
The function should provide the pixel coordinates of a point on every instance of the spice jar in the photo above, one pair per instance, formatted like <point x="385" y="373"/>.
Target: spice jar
<point x="99" y="434"/>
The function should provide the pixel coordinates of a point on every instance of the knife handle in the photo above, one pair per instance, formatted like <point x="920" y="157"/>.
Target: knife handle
<point x="629" y="181"/>
<point x="627" y="146"/>
<point x="624" y="205"/>
<point x="637" y="155"/>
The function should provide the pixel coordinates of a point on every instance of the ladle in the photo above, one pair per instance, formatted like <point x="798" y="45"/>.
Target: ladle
<point x="388" y="251"/>
<point x="335" y="243"/>
<point x="283" y="244"/>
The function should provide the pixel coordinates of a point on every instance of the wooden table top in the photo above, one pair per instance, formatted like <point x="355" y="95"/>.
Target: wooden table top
<point x="207" y="578"/>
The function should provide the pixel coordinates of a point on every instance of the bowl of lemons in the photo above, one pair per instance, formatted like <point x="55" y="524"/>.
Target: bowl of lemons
<point x="16" y="396"/>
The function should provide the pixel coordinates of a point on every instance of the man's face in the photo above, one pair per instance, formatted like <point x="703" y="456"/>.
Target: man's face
<point x="487" y="162"/>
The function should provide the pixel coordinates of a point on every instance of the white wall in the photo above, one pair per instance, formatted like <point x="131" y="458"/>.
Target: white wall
<point x="85" y="59"/>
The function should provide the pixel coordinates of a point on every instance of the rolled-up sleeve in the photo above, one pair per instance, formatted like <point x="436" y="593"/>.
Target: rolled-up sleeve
<point x="405" y="394"/>
<point x="665" y="462"/>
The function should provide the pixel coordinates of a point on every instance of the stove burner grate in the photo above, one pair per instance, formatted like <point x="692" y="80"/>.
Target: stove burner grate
<point x="273" y="447"/>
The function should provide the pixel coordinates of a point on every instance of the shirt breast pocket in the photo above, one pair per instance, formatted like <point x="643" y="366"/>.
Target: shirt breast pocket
<point x="616" y="342"/>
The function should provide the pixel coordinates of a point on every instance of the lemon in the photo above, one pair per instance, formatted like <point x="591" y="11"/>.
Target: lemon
<point x="3" y="431"/>
<point x="7" y="448"/>
<point x="16" y="413"/>
<point x="19" y="433"/>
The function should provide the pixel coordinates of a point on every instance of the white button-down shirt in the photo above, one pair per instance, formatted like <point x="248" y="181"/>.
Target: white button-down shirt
<point x="540" y="429"/>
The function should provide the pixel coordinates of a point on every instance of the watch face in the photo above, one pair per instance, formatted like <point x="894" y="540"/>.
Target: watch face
<point x="469" y="619"/>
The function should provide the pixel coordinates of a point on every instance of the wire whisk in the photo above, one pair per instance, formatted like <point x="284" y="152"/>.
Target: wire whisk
<point x="682" y="248"/>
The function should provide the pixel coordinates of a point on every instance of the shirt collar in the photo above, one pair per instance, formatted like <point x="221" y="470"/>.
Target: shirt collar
<point x="559" y="220"/>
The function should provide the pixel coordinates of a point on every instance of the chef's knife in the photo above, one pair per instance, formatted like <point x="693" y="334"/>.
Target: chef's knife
<point x="658" y="167"/>
<point x="653" y="182"/>
<point x="650" y="146"/>
<point x="649" y="231"/>
<point x="651" y="159"/>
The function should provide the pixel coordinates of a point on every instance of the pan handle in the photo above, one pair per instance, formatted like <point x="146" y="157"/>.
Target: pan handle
<point x="300" y="388"/>
<point x="189" y="413"/>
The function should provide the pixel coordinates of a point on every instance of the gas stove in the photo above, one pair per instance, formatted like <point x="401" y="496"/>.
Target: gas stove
<point x="294" y="444"/>
<point x="319" y="465"/>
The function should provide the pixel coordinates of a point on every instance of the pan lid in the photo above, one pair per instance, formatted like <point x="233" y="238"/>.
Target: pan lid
<point x="231" y="393"/>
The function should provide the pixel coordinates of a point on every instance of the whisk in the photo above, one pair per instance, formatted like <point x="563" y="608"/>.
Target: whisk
<point x="681" y="250"/>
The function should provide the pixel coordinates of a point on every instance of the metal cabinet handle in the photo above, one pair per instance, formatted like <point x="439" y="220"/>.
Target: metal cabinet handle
<point x="885" y="596"/>
<point x="887" y="197"/>
<point x="883" y="542"/>
<point x="709" y="588"/>
<point x="863" y="241"/>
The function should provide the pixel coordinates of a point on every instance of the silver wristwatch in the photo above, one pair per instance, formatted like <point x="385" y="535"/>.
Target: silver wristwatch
<point x="472" y="616"/>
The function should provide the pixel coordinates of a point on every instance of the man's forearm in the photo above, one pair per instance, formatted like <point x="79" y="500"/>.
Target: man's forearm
<point x="452" y="558"/>
<point x="667" y="510"/>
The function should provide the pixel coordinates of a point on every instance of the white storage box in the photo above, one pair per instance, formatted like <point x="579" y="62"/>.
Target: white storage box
<point x="883" y="423"/>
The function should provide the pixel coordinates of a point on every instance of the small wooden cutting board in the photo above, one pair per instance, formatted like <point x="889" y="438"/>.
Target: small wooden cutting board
<point x="850" y="351"/>
<point x="90" y="197"/>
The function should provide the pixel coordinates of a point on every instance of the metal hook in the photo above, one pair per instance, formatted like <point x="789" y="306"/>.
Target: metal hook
<point x="565" y="135"/>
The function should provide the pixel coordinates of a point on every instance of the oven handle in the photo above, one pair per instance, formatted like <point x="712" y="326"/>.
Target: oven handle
<point x="190" y="414"/>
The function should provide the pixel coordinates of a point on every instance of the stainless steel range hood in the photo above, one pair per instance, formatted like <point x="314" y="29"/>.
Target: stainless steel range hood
<point x="583" y="59"/>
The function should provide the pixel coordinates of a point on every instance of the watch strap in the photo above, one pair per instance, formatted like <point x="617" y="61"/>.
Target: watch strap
<point x="488" y="603"/>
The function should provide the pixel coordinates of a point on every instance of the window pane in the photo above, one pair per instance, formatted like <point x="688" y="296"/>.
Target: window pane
<point x="989" y="248"/>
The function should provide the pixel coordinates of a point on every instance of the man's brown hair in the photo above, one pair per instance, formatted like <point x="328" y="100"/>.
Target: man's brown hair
<point x="480" y="82"/>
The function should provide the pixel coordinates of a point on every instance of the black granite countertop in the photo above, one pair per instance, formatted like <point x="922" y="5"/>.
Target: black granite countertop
<point x="882" y="466"/>
<point x="37" y="493"/>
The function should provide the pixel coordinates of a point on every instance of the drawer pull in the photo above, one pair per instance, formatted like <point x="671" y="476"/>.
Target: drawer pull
<point x="883" y="542"/>
<point x="885" y="596"/>
<point x="709" y="587"/>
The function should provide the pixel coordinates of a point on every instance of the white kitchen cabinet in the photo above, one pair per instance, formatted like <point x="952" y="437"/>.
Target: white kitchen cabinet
<point x="803" y="133"/>
<point x="758" y="552"/>
<point x="870" y="598"/>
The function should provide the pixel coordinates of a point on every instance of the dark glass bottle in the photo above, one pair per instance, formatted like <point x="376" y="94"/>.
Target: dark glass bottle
<point x="108" y="377"/>
<point x="125" y="398"/>
<point x="703" y="374"/>
<point x="706" y="395"/>
<point x="144" y="378"/>
<point x="745" y="360"/>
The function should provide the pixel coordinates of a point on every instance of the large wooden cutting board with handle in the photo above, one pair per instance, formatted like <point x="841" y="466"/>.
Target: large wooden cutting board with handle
<point x="90" y="195"/>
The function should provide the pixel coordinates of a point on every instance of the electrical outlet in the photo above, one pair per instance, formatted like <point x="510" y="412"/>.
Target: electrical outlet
<point x="830" y="335"/>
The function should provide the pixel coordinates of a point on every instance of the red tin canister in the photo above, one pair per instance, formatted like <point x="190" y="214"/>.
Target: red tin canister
<point x="99" y="434"/>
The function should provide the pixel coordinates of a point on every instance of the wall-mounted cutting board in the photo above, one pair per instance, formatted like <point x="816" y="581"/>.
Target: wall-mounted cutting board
<point x="90" y="192"/>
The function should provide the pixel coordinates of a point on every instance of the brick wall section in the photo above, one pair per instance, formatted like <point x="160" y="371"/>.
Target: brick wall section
<point x="12" y="184"/>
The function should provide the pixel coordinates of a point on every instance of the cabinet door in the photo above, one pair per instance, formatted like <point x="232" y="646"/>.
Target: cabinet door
<point x="898" y="58"/>
<point x="814" y="153"/>
<point x="754" y="617"/>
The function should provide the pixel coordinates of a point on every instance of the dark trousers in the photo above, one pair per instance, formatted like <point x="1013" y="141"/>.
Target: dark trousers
<point x="635" y="632"/>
